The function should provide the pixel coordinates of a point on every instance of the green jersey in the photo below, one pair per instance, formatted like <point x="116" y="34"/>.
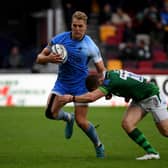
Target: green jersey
<point x="127" y="84"/>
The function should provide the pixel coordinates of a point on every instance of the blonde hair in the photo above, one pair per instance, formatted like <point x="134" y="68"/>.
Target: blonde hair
<point x="80" y="15"/>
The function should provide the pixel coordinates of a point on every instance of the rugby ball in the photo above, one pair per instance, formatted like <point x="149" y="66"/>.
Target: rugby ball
<point x="61" y="50"/>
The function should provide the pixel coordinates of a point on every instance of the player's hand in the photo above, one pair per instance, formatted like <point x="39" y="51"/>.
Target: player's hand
<point x="55" y="58"/>
<point x="108" y="96"/>
<point x="65" y="99"/>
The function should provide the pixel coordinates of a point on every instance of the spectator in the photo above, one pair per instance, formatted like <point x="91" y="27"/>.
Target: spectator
<point x="128" y="34"/>
<point x="14" y="58"/>
<point x="143" y="51"/>
<point x="149" y="20"/>
<point x="105" y="14"/>
<point x="127" y="51"/>
<point x="120" y="17"/>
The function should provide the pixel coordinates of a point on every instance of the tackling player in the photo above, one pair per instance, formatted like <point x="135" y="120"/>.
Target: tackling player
<point x="71" y="77"/>
<point x="146" y="98"/>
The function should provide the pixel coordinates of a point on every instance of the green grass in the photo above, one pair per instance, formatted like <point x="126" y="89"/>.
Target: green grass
<point x="29" y="140"/>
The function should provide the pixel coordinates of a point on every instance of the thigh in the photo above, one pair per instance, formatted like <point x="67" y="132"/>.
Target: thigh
<point x="163" y="127"/>
<point x="134" y="114"/>
<point x="54" y="104"/>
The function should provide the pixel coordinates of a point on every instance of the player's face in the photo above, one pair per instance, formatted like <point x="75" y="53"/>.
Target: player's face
<point x="78" y="27"/>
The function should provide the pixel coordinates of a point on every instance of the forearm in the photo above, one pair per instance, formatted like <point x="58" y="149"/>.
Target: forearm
<point x="42" y="59"/>
<point x="48" y="57"/>
<point x="88" y="97"/>
<point x="43" y="56"/>
<point x="83" y="99"/>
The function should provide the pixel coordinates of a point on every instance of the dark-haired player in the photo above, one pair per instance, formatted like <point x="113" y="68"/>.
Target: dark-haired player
<point x="146" y="98"/>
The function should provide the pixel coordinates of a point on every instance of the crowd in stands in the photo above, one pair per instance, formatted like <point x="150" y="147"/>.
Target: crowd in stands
<point x="129" y="31"/>
<point x="135" y="38"/>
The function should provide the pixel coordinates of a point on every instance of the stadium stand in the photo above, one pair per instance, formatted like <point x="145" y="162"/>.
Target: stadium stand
<point x="108" y="41"/>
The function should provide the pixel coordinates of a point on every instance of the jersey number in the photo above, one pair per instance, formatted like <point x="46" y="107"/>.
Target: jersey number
<point x="125" y="74"/>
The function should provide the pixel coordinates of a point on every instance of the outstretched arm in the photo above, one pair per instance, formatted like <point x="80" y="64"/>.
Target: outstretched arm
<point x="85" y="98"/>
<point x="89" y="97"/>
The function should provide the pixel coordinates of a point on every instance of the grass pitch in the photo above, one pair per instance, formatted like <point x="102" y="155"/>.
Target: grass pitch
<point x="29" y="140"/>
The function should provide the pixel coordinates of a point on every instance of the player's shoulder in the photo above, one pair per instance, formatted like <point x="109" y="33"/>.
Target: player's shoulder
<point x="87" y="37"/>
<point x="60" y="37"/>
<point x="66" y="33"/>
<point x="89" y="41"/>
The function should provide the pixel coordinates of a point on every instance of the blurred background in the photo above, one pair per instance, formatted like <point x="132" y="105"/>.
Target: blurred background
<point x="131" y="35"/>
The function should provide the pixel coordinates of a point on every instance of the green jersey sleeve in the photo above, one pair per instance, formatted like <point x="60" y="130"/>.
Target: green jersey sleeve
<point x="127" y="84"/>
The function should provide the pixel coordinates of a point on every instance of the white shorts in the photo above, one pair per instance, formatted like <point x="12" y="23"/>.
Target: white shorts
<point x="156" y="105"/>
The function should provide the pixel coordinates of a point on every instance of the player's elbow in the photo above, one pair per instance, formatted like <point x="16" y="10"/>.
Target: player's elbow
<point x="38" y="59"/>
